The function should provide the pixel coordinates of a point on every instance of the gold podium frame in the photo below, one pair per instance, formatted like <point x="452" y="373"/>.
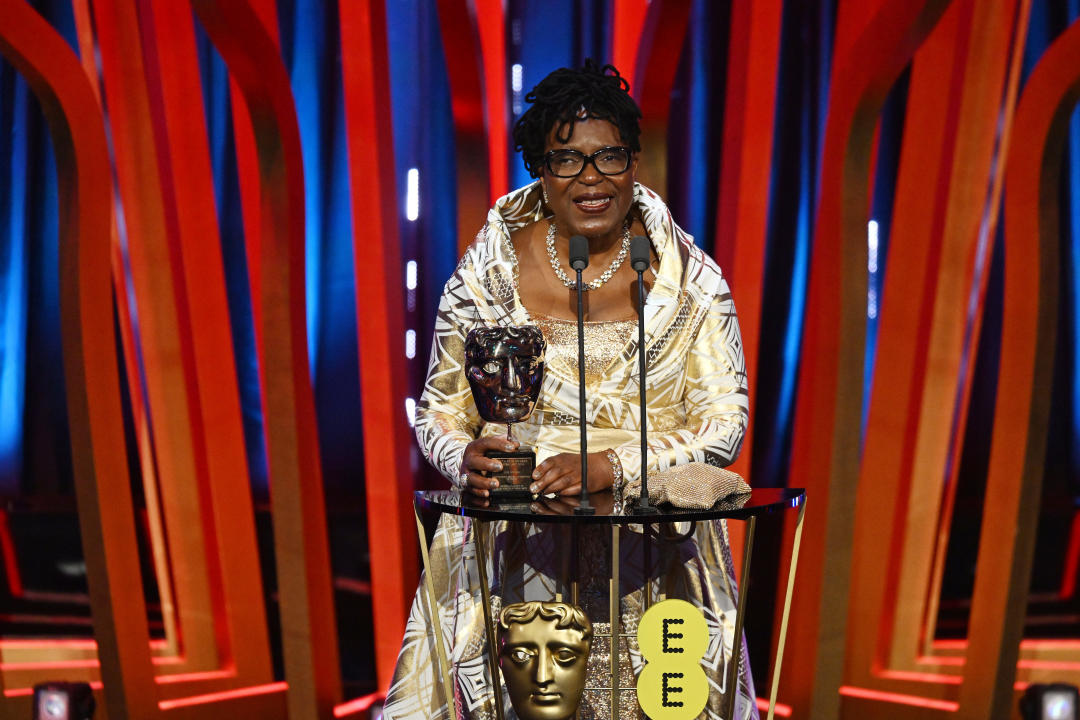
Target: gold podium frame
<point x="479" y="542"/>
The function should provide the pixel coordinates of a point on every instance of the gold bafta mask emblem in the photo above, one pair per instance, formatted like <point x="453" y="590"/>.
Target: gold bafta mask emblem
<point x="543" y="653"/>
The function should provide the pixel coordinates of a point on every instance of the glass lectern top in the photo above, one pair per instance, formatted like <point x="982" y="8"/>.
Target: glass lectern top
<point x="757" y="502"/>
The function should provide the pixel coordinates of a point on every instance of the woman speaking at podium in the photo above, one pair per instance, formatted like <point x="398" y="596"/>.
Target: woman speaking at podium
<point x="580" y="139"/>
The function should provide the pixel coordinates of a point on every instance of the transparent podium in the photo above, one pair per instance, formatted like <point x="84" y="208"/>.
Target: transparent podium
<point x="615" y="565"/>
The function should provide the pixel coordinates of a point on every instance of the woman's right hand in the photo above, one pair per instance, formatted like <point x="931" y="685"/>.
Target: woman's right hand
<point x="473" y="462"/>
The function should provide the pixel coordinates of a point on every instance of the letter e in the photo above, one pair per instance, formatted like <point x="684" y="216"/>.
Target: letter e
<point x="667" y="635"/>
<point x="666" y="689"/>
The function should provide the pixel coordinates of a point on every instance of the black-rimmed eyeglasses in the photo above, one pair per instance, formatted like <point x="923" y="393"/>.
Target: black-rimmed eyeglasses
<point x="570" y="163"/>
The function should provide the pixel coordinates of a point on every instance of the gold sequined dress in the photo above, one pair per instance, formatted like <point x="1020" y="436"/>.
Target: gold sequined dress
<point x="696" y="412"/>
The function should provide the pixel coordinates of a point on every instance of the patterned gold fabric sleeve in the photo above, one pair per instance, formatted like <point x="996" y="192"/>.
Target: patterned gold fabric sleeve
<point x="714" y="395"/>
<point x="446" y="417"/>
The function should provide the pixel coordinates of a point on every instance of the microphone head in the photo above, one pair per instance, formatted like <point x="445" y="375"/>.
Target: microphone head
<point x="579" y="252"/>
<point x="639" y="253"/>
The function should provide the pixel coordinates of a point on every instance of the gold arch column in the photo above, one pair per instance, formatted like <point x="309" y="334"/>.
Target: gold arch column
<point x="962" y="91"/>
<point x="173" y="79"/>
<point x="165" y="343"/>
<point x="297" y="498"/>
<point x="826" y="442"/>
<point x="90" y="364"/>
<point x="1021" y="415"/>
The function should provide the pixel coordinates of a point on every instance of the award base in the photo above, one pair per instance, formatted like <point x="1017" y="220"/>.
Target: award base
<point x="516" y="474"/>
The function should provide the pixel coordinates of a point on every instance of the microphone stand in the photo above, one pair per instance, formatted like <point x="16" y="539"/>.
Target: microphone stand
<point x="579" y="260"/>
<point x="640" y="262"/>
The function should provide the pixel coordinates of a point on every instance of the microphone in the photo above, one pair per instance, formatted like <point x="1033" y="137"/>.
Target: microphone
<point x="579" y="260"/>
<point x="579" y="253"/>
<point x="639" y="261"/>
<point x="639" y="253"/>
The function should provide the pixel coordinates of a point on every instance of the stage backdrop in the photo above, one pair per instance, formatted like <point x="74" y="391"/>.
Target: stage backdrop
<point x="226" y="226"/>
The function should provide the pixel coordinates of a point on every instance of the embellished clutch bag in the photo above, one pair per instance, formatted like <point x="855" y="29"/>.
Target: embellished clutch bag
<point x="693" y="485"/>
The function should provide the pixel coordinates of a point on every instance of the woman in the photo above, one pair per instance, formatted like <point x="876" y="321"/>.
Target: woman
<point x="580" y="139"/>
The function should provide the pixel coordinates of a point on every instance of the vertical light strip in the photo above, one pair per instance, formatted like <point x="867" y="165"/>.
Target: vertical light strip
<point x="412" y="194"/>
<point x="872" y="269"/>
<point x="516" y="75"/>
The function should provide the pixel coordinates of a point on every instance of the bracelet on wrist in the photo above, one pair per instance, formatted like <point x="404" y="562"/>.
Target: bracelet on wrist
<point x="617" y="478"/>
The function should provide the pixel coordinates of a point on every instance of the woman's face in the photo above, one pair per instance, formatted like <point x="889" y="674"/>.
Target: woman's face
<point x="591" y="204"/>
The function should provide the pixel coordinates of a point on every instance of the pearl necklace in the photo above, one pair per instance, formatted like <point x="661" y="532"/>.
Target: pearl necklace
<point x="595" y="283"/>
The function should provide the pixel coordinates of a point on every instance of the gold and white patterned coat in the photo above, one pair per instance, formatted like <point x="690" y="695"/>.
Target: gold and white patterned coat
<point x="696" y="375"/>
<point x="697" y="411"/>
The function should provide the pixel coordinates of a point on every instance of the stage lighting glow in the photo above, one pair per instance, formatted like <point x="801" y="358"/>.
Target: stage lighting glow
<point x="1050" y="702"/>
<point x="410" y="344"/>
<point x="1059" y="705"/>
<point x="412" y="194"/>
<point x="410" y="275"/>
<point x="410" y="410"/>
<point x="54" y="705"/>
<point x="63" y="701"/>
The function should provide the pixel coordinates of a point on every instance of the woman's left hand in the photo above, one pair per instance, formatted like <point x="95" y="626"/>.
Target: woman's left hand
<point x="561" y="474"/>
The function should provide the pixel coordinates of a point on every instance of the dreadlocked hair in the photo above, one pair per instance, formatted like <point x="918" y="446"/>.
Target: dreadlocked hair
<point x="567" y="96"/>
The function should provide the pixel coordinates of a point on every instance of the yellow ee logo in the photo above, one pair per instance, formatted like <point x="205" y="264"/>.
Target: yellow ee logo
<point x="673" y="638"/>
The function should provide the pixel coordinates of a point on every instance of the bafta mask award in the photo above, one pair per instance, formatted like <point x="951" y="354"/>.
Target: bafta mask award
<point x="505" y="368"/>
<point x="543" y="653"/>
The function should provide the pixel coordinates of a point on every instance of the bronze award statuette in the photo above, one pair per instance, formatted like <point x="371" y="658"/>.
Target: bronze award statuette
<point x="505" y="368"/>
<point x="543" y="653"/>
